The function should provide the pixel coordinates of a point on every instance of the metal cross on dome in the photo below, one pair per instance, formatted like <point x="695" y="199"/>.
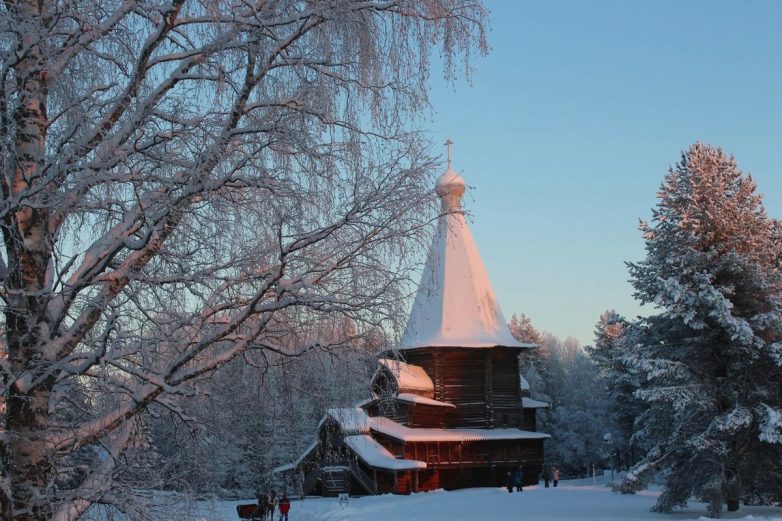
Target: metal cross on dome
<point x="448" y="144"/>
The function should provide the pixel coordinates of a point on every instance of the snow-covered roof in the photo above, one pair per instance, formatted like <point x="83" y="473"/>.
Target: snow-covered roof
<point x="529" y="403"/>
<point x="297" y="461"/>
<point x="408" y="377"/>
<point x="455" y="303"/>
<point x="375" y="455"/>
<point x="422" y="400"/>
<point x="524" y="383"/>
<point x="407" y="434"/>
<point x="368" y="401"/>
<point x="351" y="420"/>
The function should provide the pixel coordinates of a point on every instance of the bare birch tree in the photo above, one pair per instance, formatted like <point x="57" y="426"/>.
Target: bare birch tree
<point x="179" y="178"/>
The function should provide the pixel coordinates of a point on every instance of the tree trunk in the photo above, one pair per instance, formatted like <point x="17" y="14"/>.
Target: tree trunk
<point x="27" y="415"/>
<point x="28" y="247"/>
<point x="732" y="490"/>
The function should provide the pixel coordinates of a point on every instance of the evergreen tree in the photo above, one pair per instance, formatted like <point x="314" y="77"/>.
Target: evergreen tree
<point x="710" y="363"/>
<point x="534" y="362"/>
<point x="580" y="418"/>
<point x="534" y="365"/>
<point x="608" y="332"/>
<point x="608" y="354"/>
<point x="522" y="330"/>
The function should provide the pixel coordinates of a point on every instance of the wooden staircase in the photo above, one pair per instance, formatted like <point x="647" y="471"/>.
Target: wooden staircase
<point x="335" y="480"/>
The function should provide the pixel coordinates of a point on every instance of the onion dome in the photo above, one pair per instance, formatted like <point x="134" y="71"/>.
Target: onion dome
<point x="450" y="187"/>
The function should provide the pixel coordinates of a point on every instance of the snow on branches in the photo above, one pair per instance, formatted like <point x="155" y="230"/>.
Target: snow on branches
<point x="184" y="181"/>
<point x="708" y="364"/>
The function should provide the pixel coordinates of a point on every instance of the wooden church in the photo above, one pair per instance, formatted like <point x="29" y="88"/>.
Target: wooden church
<point x="448" y="409"/>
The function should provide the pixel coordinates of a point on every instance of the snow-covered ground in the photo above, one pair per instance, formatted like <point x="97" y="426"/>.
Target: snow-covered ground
<point x="572" y="500"/>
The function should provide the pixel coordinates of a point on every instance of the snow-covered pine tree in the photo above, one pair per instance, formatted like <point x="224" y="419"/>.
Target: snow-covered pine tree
<point x="608" y="353"/>
<point x="523" y="330"/>
<point x="176" y="175"/>
<point x="608" y="331"/>
<point x="560" y="373"/>
<point x="581" y="414"/>
<point x="534" y="364"/>
<point x="709" y="363"/>
<point x="535" y="360"/>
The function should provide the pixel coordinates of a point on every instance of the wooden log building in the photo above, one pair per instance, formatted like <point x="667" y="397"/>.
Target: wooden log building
<point x="448" y="408"/>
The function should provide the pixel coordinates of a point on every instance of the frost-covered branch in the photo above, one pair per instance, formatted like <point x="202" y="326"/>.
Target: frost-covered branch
<point x="187" y="184"/>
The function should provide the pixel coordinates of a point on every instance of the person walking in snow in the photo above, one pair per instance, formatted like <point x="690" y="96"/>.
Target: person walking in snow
<point x="555" y="476"/>
<point x="271" y="504"/>
<point x="509" y="482"/>
<point x="285" y="506"/>
<point x="546" y="475"/>
<point x="518" y="479"/>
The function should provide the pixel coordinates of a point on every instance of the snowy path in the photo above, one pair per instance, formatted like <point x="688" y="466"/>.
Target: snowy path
<point x="570" y="501"/>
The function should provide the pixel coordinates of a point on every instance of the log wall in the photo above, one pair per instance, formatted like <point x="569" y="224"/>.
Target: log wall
<point x="483" y="384"/>
<point x="428" y="416"/>
<point x="506" y="393"/>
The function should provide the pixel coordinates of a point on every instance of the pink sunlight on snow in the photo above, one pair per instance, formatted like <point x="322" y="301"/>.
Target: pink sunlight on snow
<point x="572" y="500"/>
<point x="455" y="304"/>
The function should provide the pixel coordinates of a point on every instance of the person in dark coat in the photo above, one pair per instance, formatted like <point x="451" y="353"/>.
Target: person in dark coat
<point x="271" y="504"/>
<point x="261" y="510"/>
<point x="509" y="482"/>
<point x="285" y="506"/>
<point x="546" y="475"/>
<point x="518" y="479"/>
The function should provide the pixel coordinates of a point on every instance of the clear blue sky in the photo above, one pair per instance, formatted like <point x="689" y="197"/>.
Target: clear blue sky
<point x="571" y="122"/>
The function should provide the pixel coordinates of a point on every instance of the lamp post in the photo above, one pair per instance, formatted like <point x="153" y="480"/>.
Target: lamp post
<point x="608" y="440"/>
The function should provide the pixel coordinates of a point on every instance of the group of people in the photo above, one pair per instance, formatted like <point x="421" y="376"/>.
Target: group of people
<point x="270" y="502"/>
<point x="550" y="474"/>
<point x="516" y="479"/>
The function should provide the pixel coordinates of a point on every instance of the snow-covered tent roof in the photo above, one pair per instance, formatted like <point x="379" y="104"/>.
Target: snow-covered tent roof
<point x="403" y="433"/>
<point x="409" y="378"/>
<point x="455" y="304"/>
<point x="375" y="455"/>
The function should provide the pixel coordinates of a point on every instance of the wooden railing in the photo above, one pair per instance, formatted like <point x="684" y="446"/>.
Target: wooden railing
<point x="362" y="477"/>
